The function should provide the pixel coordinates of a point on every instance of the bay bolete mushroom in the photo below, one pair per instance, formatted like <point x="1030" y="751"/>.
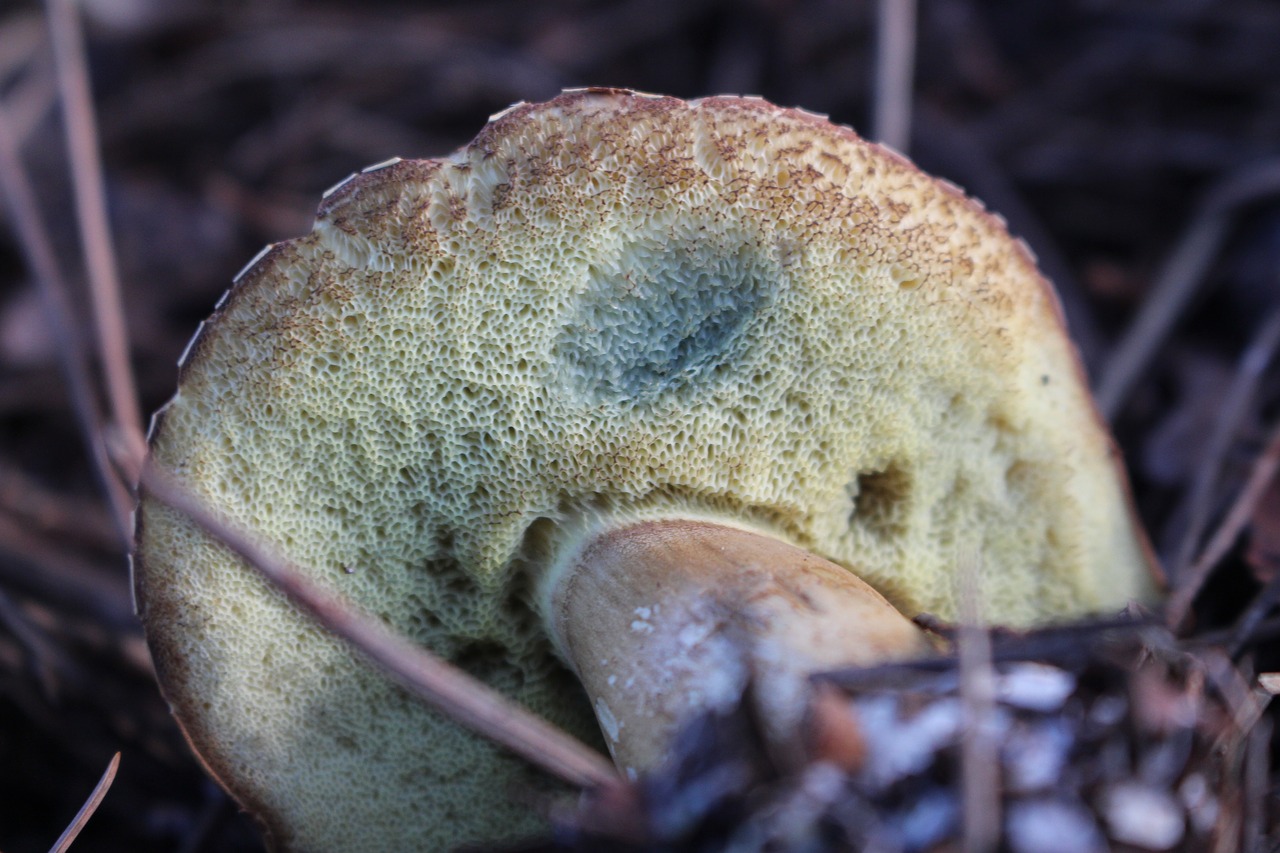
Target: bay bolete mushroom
<point x="658" y="395"/>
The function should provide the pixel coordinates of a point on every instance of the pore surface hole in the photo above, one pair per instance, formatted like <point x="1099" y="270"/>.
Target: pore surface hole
<point x="879" y="501"/>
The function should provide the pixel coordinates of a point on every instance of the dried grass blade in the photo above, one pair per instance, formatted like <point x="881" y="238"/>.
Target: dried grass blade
<point x="90" y="806"/>
<point x="38" y="248"/>
<point x="1179" y="280"/>
<point x="1262" y="473"/>
<point x="95" y="231"/>
<point x="895" y="67"/>
<point x="1255" y="360"/>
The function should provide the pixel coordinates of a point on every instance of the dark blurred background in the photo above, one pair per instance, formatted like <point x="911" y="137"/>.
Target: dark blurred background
<point x="1132" y="143"/>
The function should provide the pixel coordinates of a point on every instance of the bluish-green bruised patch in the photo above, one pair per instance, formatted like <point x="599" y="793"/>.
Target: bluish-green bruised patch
<point x="659" y="320"/>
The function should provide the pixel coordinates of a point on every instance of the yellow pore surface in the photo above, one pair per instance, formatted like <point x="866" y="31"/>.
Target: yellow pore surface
<point x="610" y="303"/>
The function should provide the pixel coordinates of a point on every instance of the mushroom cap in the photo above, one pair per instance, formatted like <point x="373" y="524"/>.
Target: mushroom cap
<point x="608" y="304"/>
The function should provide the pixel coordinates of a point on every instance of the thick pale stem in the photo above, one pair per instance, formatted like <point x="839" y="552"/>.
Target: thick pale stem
<point x="666" y="619"/>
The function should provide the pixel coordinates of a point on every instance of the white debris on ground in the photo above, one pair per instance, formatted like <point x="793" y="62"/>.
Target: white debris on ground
<point x="1109" y="740"/>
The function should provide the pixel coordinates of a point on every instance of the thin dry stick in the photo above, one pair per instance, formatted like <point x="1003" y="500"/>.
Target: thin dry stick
<point x="90" y="806"/>
<point x="979" y="756"/>
<point x="1247" y="626"/>
<point x="895" y="64"/>
<point x="60" y="516"/>
<point x="1260" y="477"/>
<point x="44" y="658"/>
<point x="39" y="567"/>
<point x="444" y="687"/>
<point x="1253" y="364"/>
<point x="91" y="207"/>
<point x="1256" y="766"/>
<point x="23" y="60"/>
<point x="1179" y="279"/>
<point x="1268" y="629"/>
<point x="38" y="249"/>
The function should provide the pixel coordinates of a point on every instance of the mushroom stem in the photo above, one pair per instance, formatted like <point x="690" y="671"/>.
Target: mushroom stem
<point x="665" y="619"/>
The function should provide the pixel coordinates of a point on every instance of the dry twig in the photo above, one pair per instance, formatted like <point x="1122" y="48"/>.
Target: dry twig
<point x="42" y="656"/>
<point x="64" y="518"/>
<point x="38" y="567"/>
<point x="1180" y="279"/>
<point x="1263" y="471"/>
<point x="90" y="806"/>
<point x="53" y="293"/>
<point x="895" y="66"/>
<point x="1253" y="365"/>
<point x="95" y="231"/>
<point x="1256" y="769"/>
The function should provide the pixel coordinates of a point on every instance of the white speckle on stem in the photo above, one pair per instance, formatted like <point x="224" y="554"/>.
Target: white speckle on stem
<point x="608" y="722"/>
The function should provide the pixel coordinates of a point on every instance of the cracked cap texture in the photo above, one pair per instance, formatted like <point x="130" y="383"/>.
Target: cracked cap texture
<point x="608" y="304"/>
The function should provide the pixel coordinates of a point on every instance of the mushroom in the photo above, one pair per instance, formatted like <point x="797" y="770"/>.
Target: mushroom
<point x="626" y="403"/>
